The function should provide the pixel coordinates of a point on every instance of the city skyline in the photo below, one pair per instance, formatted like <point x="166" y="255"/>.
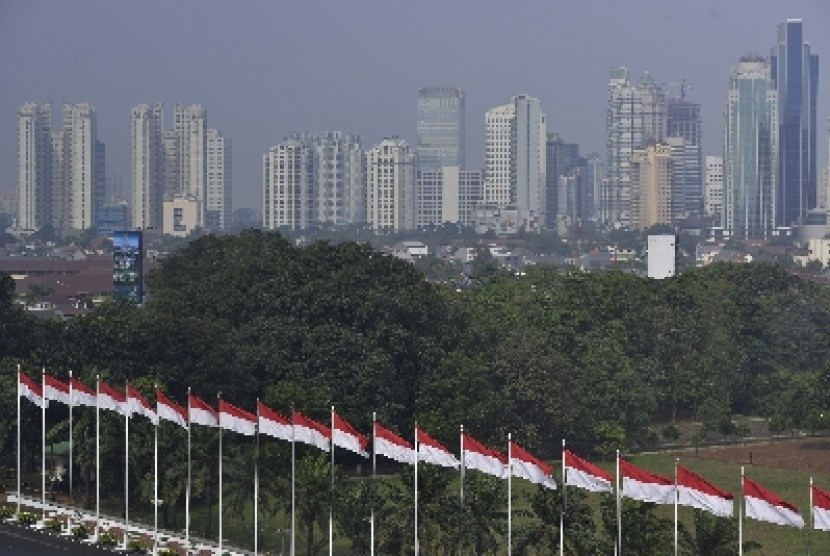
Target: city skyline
<point x="561" y="54"/>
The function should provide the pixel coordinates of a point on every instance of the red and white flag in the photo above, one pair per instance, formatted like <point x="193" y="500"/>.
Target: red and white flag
<point x="201" y="413"/>
<point x="821" y="509"/>
<point x="136" y="403"/>
<point x="235" y="419"/>
<point x="583" y="474"/>
<point x="764" y="505"/>
<point x="697" y="492"/>
<point x="343" y="435"/>
<point x="392" y="446"/>
<point x="272" y="423"/>
<point x="643" y="485"/>
<point x="483" y="458"/>
<point x="311" y="432"/>
<point x="527" y="466"/>
<point x="29" y="389"/>
<point x="170" y="410"/>
<point x="81" y="394"/>
<point x="432" y="451"/>
<point x="112" y="399"/>
<point x="54" y="389"/>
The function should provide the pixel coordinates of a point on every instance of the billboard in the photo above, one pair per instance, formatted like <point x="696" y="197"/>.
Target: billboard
<point x="128" y="266"/>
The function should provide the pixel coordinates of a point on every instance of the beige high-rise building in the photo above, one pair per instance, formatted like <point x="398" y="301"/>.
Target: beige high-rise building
<point x="390" y="186"/>
<point x="83" y="167"/>
<point x="219" y="191"/>
<point x="288" y="185"/>
<point x="147" y="166"/>
<point x="190" y="128"/>
<point x="652" y="171"/>
<point x="34" y="165"/>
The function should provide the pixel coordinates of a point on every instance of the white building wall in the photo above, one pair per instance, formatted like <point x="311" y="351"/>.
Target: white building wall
<point x="80" y="136"/>
<point x="147" y="167"/>
<point x="34" y="180"/>
<point x="661" y="256"/>
<point x="713" y="187"/>
<point x="288" y="186"/>
<point x="219" y="184"/>
<point x="390" y="186"/>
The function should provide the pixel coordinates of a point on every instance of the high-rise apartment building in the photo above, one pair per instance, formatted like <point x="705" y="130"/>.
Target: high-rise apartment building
<point x="390" y="186"/>
<point x="339" y="181"/>
<point x="190" y="127"/>
<point x="713" y="189"/>
<point x="652" y="174"/>
<point x="288" y="185"/>
<point x="447" y="195"/>
<point x="83" y="167"/>
<point x="750" y="160"/>
<point x="34" y="165"/>
<point x="440" y="128"/>
<point x="147" y="166"/>
<point x="219" y="184"/>
<point x="515" y="159"/>
<point x="636" y="117"/>
<point x="794" y="74"/>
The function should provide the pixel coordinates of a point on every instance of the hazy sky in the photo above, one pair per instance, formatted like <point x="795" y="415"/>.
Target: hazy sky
<point x="267" y="68"/>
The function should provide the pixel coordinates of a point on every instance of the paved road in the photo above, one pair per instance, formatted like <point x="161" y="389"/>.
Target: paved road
<point x="20" y="541"/>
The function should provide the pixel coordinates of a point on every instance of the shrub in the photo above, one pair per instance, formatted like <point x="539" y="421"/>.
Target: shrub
<point x="26" y="518"/>
<point x="6" y="512"/>
<point x="107" y="539"/>
<point x="53" y="524"/>
<point x="80" y="532"/>
<point x="136" y="546"/>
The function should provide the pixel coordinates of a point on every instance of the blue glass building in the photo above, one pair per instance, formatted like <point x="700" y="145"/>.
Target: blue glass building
<point x="794" y="73"/>
<point x="440" y="128"/>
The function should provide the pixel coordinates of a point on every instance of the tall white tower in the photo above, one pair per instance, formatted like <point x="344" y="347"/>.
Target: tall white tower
<point x="34" y="165"/>
<point x="390" y="186"/>
<point x="147" y="166"/>
<point x="288" y="182"/>
<point x="219" y="199"/>
<point x="83" y="164"/>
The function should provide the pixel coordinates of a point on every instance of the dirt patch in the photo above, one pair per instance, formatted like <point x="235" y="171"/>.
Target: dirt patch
<point x="807" y="454"/>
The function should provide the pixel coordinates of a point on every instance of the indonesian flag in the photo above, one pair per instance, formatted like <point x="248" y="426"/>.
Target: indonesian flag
<point x="640" y="484"/>
<point x="201" y="413"/>
<point x="478" y="456"/>
<point x="582" y="474"/>
<point x="311" y="432"/>
<point x="527" y="466"/>
<point x="170" y="410"/>
<point x="432" y="451"/>
<point x="697" y="492"/>
<point x="763" y="505"/>
<point x="136" y="403"/>
<point x="821" y="509"/>
<point x="392" y="446"/>
<point x="343" y="435"/>
<point x="54" y="389"/>
<point x="112" y="399"/>
<point x="272" y="423"/>
<point x="81" y="394"/>
<point x="29" y="389"/>
<point x="235" y="419"/>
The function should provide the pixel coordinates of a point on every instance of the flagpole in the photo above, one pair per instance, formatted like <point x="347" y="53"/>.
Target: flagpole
<point x="331" y="490"/>
<point x="187" y="490"/>
<point x="564" y="505"/>
<point x="462" y="464"/>
<point x="256" y="484"/>
<point x="43" y="447"/>
<point x="676" y="533"/>
<point x="293" y="486"/>
<point x="156" y="477"/>
<point x="417" y="457"/>
<point x="619" y="509"/>
<point x="509" y="494"/>
<point x="71" y="491"/>
<point x="126" y="464"/>
<point x="97" y="454"/>
<point x="17" y="515"/>
<point x="374" y="474"/>
<point x="812" y="522"/>
<point x="219" y="399"/>
<point x="741" y="517"/>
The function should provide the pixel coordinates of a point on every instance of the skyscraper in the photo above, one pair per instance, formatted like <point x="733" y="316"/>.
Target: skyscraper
<point x="219" y="184"/>
<point x="288" y="184"/>
<point x="83" y="167"/>
<point x="190" y="127"/>
<point x="34" y="165"/>
<point x="683" y="121"/>
<point x="794" y="73"/>
<point x="750" y="156"/>
<point x="713" y="189"/>
<point x="390" y="186"/>
<point x="636" y="116"/>
<point x="652" y="175"/>
<point x="440" y="128"/>
<point x="515" y="159"/>
<point x="339" y="180"/>
<point x="147" y="167"/>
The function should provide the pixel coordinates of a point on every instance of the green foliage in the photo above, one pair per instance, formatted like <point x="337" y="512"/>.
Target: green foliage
<point x="26" y="518"/>
<point x="6" y="512"/>
<point x="53" y="524"/>
<point x="81" y="532"/>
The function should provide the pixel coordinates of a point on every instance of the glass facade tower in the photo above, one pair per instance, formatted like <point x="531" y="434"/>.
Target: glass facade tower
<point x="440" y="128"/>
<point x="795" y="76"/>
